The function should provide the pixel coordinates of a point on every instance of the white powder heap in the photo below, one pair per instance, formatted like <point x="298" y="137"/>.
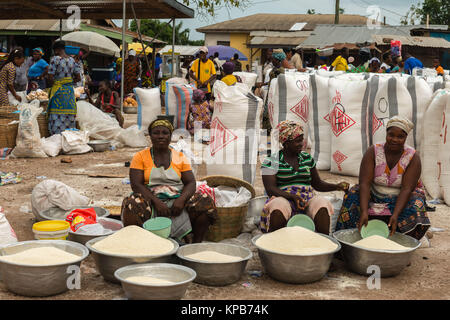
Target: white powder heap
<point x="148" y="280"/>
<point x="213" y="256"/>
<point x="296" y="240"/>
<point x="41" y="256"/>
<point x="379" y="243"/>
<point x="134" y="241"/>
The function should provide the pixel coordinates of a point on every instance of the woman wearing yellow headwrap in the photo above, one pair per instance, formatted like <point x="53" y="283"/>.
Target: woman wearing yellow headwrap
<point x="163" y="184"/>
<point x="389" y="187"/>
<point x="290" y="178"/>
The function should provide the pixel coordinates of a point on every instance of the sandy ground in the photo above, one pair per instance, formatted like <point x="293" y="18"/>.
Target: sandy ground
<point x="426" y="277"/>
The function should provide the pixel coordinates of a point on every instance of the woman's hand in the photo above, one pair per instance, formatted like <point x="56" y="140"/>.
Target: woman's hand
<point x="162" y="209"/>
<point x="363" y="220"/>
<point x="177" y="207"/>
<point x="18" y="98"/>
<point x="393" y="224"/>
<point x="299" y="202"/>
<point x="343" y="186"/>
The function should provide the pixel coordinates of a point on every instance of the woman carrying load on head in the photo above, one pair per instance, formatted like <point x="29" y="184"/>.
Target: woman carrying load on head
<point x="164" y="186"/>
<point x="63" y="71"/>
<point x="229" y="78"/>
<point x="389" y="188"/>
<point x="290" y="178"/>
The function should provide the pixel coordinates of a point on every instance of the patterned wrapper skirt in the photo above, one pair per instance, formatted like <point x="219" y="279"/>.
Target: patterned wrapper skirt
<point x="413" y="220"/>
<point x="304" y="192"/>
<point x="57" y="123"/>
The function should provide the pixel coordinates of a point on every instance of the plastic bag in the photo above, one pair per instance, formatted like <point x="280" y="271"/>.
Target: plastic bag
<point x="133" y="137"/>
<point x="75" y="142"/>
<point x="231" y="197"/>
<point x="14" y="102"/>
<point x="7" y="234"/>
<point x="52" y="145"/>
<point x="81" y="217"/>
<point x="28" y="141"/>
<point x="51" y="193"/>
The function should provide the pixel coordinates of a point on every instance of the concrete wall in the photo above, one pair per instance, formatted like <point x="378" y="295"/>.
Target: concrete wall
<point x="212" y="38"/>
<point x="239" y="42"/>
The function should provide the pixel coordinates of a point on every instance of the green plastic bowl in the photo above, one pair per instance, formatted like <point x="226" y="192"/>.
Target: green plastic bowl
<point x="302" y="220"/>
<point x="160" y="226"/>
<point x="375" y="227"/>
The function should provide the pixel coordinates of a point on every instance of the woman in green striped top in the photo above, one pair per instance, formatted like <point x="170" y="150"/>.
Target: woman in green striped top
<point x="290" y="178"/>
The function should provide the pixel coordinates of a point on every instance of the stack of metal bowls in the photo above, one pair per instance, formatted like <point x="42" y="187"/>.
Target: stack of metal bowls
<point x="40" y="280"/>
<point x="179" y="275"/>
<point x="215" y="273"/>
<point x="359" y="259"/>
<point x="108" y="263"/>
<point x="295" y="268"/>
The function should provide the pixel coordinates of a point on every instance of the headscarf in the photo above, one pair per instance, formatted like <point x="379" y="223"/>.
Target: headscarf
<point x="374" y="59"/>
<point x="400" y="122"/>
<point x="162" y="122"/>
<point x="39" y="50"/>
<point x="289" y="130"/>
<point x="132" y="53"/>
<point x="198" y="95"/>
<point x="228" y="67"/>
<point x="278" y="54"/>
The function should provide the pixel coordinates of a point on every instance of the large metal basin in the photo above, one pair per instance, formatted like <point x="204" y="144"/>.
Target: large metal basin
<point x="212" y="273"/>
<point x="182" y="276"/>
<point x="292" y="268"/>
<point x="358" y="259"/>
<point x="108" y="263"/>
<point x="112" y="224"/>
<point x="40" y="280"/>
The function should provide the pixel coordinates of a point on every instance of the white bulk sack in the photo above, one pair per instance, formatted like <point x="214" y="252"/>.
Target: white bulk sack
<point x="98" y="124"/>
<point x="28" y="141"/>
<point x="133" y="137"/>
<point x="149" y="106"/>
<point x="430" y="155"/>
<point x="319" y="127"/>
<point x="54" y="194"/>
<point x="75" y="142"/>
<point x="444" y="152"/>
<point x="234" y="133"/>
<point x="289" y="99"/>
<point x="329" y="74"/>
<point x="52" y="145"/>
<point x="248" y="78"/>
<point x="7" y="234"/>
<point x="14" y="102"/>
<point x="348" y="108"/>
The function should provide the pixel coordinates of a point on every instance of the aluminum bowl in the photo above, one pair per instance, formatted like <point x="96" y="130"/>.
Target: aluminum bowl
<point x="112" y="224"/>
<point x="108" y="263"/>
<point x="129" y="110"/>
<point x="100" y="145"/>
<point x="60" y="214"/>
<point x="211" y="273"/>
<point x="295" y="268"/>
<point x="40" y="280"/>
<point x="182" y="276"/>
<point x="359" y="259"/>
<point x="255" y="206"/>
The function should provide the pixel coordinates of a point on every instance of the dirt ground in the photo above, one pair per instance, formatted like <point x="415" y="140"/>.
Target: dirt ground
<point x="426" y="277"/>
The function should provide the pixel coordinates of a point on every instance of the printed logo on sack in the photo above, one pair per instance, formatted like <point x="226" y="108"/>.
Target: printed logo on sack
<point x="221" y="136"/>
<point x="377" y="123"/>
<point x="301" y="109"/>
<point x="218" y="102"/>
<point x="339" y="158"/>
<point x="339" y="120"/>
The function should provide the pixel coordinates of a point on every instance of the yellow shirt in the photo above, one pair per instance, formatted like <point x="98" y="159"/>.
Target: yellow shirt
<point x="229" y="79"/>
<point x="207" y="69"/>
<point x="340" y="64"/>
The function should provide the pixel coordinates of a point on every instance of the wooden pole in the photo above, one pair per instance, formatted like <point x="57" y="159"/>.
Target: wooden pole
<point x="122" y="67"/>
<point x="173" y="47"/>
<point x="336" y="13"/>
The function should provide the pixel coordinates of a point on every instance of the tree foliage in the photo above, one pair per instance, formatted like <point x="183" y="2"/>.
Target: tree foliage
<point x="163" y="31"/>
<point x="438" y="11"/>
<point x="206" y="9"/>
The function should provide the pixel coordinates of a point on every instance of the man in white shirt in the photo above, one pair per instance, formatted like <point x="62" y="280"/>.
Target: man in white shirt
<point x="296" y="59"/>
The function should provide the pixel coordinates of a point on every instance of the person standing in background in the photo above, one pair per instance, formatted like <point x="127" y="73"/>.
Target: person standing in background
<point x="158" y="61"/>
<point x="203" y="72"/>
<point x="21" y="80"/>
<point x="37" y="72"/>
<point x="8" y="74"/>
<point x="131" y="72"/>
<point x="411" y="63"/>
<point x="296" y="59"/>
<point x="437" y="66"/>
<point x="237" y="63"/>
<point x="340" y="63"/>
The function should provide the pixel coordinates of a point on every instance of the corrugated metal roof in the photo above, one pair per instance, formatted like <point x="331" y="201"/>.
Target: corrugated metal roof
<point x="328" y="35"/>
<point x="412" y="41"/>
<point x="269" y="39"/>
<point x="33" y="25"/>
<point x="280" y="22"/>
<point x="182" y="50"/>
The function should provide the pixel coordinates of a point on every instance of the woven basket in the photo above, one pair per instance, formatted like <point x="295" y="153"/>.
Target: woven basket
<point x="230" y="220"/>
<point x="8" y="133"/>
<point x="41" y="119"/>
